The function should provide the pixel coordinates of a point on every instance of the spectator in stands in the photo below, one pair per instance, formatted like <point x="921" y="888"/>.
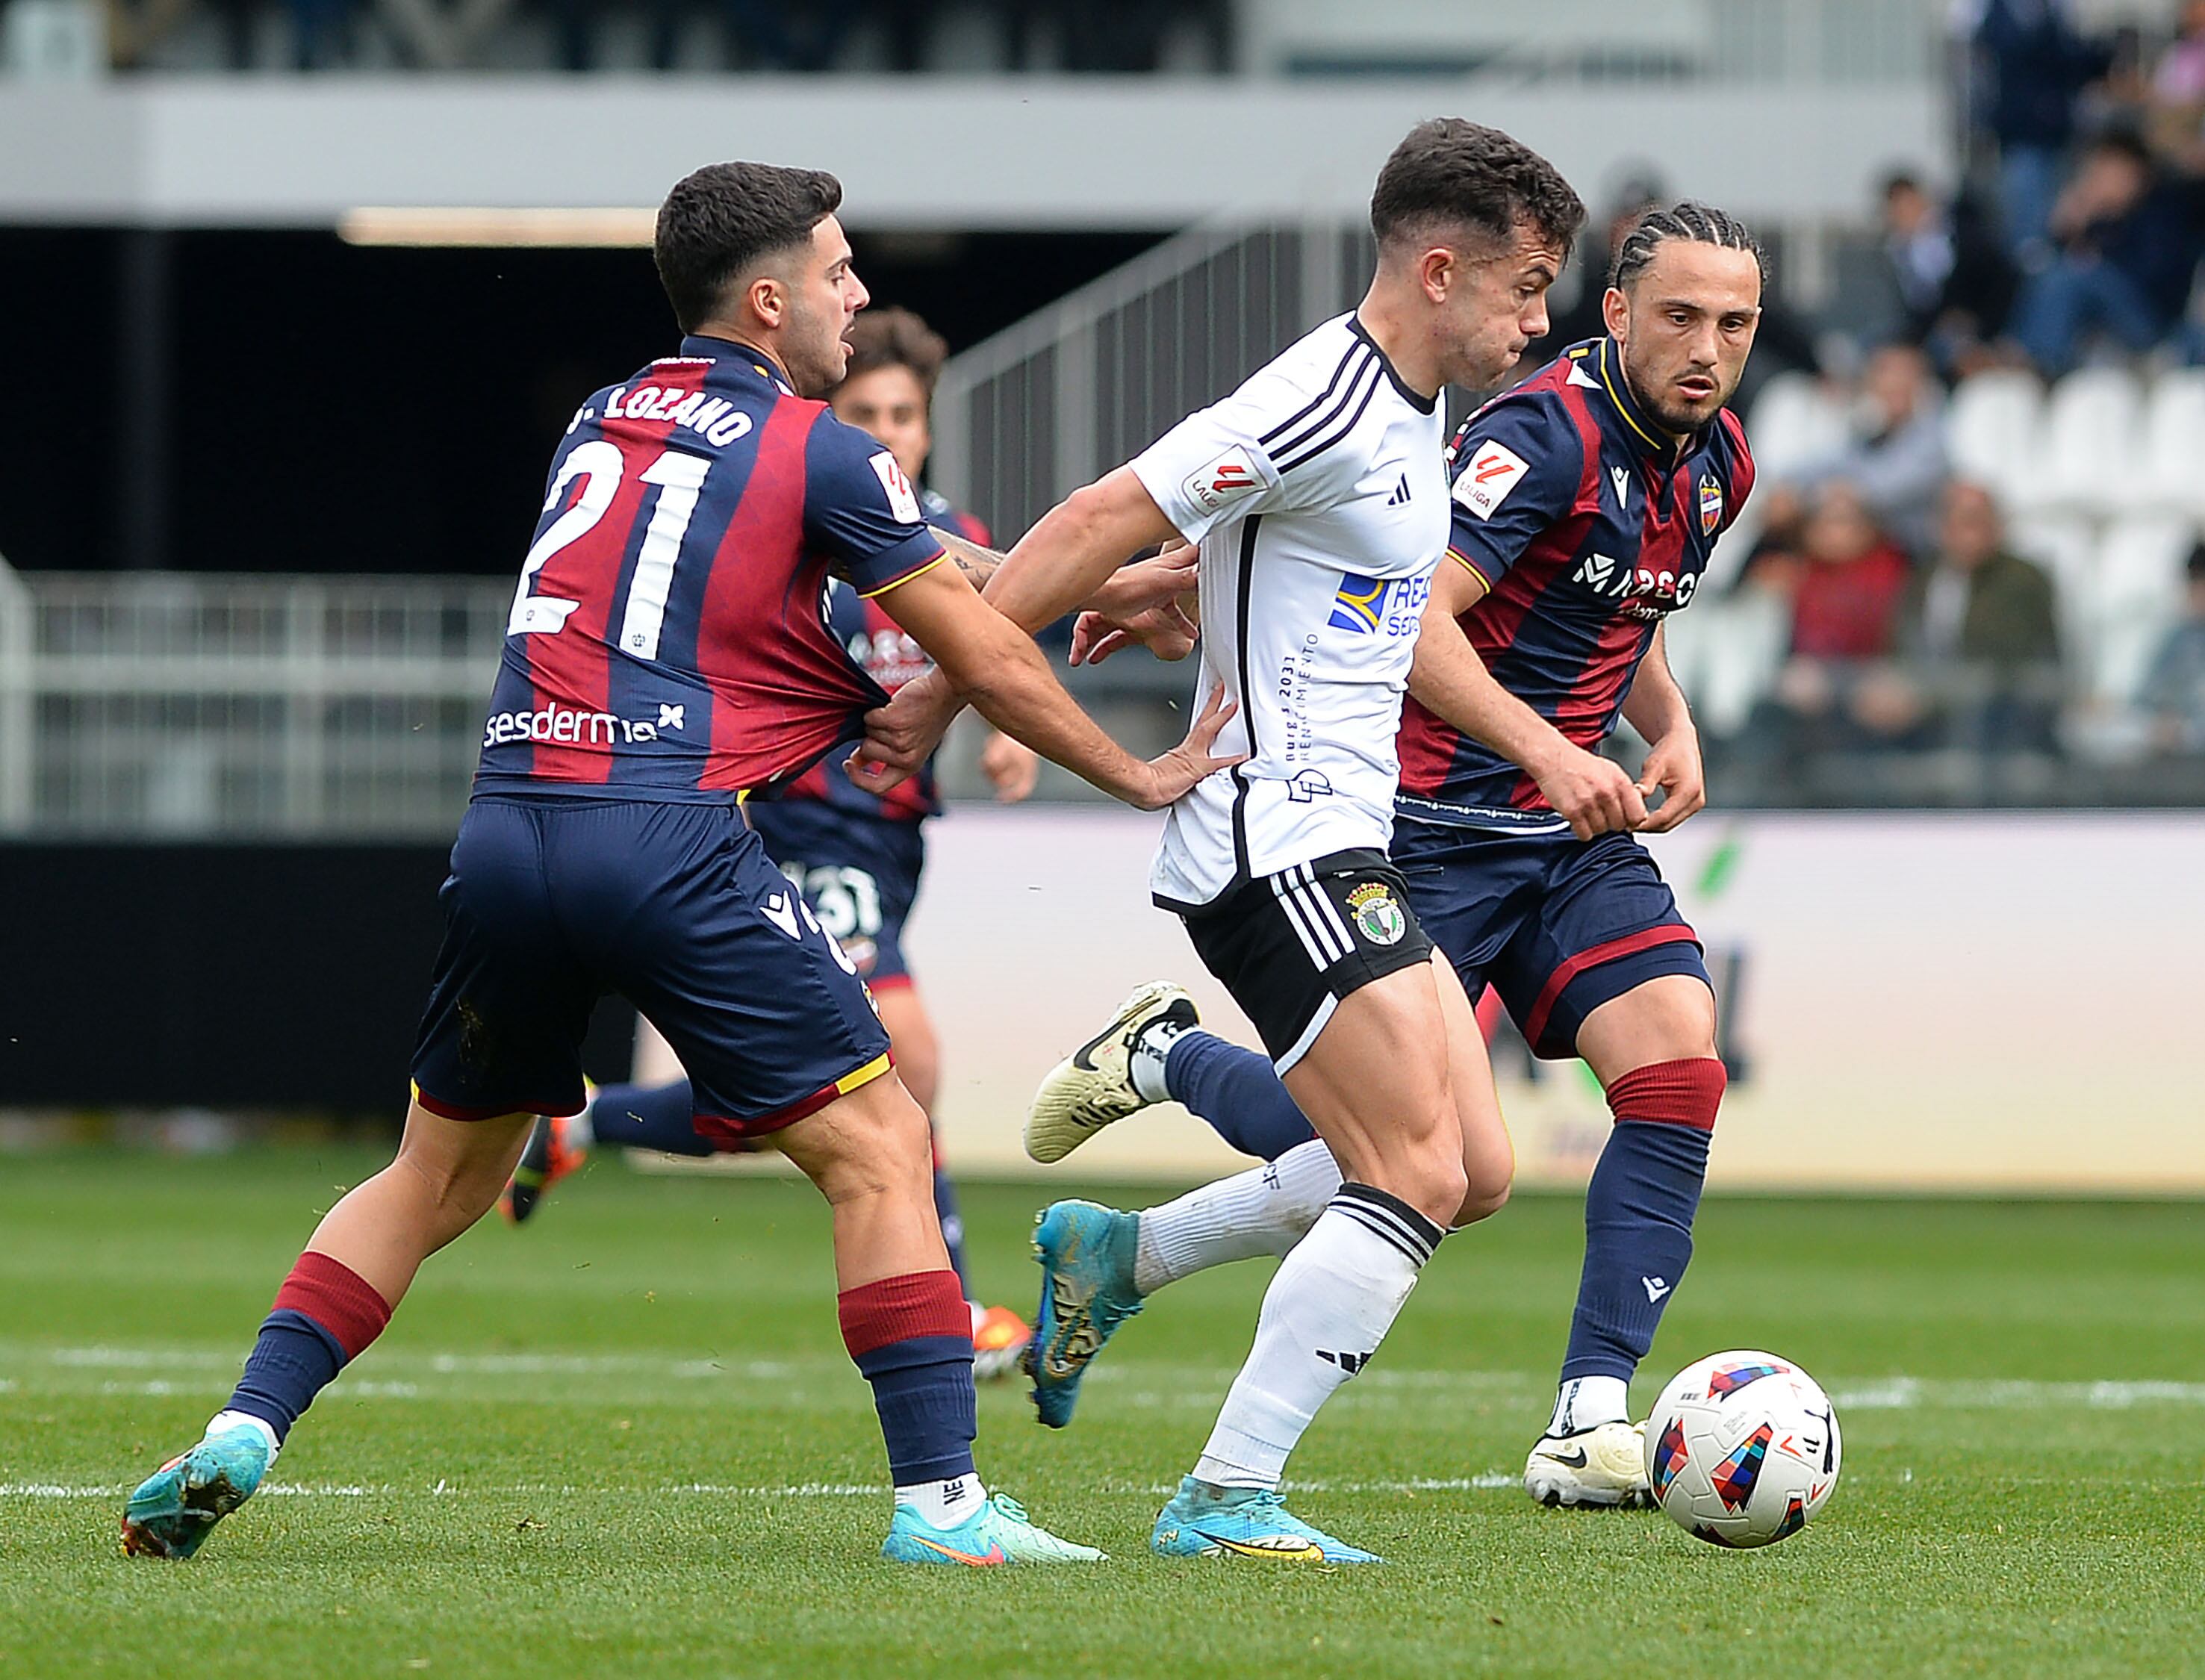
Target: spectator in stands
<point x="1846" y="580"/>
<point x="2173" y="692"/>
<point x="1896" y="462"/>
<point x="2035" y="66"/>
<point x="2127" y="249"/>
<point x="2175" y="103"/>
<point x="1979" y="638"/>
<point x="1952" y="282"/>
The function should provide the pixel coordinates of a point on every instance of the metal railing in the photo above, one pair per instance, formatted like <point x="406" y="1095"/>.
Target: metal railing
<point x="1024" y="418"/>
<point x="211" y="706"/>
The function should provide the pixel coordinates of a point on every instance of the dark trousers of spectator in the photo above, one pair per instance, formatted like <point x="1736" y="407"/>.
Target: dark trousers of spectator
<point x="2075" y="294"/>
<point x="2029" y="184"/>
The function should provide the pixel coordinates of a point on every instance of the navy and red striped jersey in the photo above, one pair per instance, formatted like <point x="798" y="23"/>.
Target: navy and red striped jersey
<point x="1588" y="525"/>
<point x="669" y="641"/>
<point x="892" y="659"/>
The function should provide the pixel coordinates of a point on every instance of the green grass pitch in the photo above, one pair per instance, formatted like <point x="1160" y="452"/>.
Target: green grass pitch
<point x="625" y="1441"/>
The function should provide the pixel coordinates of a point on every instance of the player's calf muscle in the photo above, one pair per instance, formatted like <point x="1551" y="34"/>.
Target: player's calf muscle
<point x="1375" y="1085"/>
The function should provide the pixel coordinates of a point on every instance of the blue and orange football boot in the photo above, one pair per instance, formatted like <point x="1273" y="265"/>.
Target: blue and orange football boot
<point x="999" y="1533"/>
<point x="177" y="1507"/>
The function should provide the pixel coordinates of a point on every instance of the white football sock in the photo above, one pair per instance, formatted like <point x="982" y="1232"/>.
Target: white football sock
<point x="1583" y="1402"/>
<point x="1151" y="1050"/>
<point x="1265" y="1210"/>
<point x="945" y="1505"/>
<point x="1328" y="1309"/>
<point x="223" y="1421"/>
<point x="581" y="1133"/>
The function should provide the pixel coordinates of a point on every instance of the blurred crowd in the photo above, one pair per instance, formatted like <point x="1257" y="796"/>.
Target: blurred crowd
<point x="1911" y="615"/>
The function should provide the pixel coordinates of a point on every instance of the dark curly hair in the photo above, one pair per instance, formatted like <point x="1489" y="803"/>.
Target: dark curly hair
<point x="1449" y="173"/>
<point x="719" y="222"/>
<point x="882" y="338"/>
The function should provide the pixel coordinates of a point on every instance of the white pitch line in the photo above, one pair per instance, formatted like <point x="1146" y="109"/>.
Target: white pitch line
<point x="1192" y="1386"/>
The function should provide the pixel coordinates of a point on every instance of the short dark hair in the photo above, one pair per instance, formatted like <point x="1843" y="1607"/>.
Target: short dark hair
<point x="1896" y="181"/>
<point x="1450" y="173"/>
<point x="720" y="220"/>
<point x="1690" y="220"/>
<point x="2194" y="565"/>
<point x="882" y="338"/>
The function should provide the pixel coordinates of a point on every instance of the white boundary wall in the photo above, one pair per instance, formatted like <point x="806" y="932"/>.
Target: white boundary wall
<point x="933" y="152"/>
<point x="2003" y="1003"/>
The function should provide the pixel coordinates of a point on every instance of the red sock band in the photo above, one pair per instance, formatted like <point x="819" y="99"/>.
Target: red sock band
<point x="1678" y="1093"/>
<point x="338" y="1299"/>
<point x="900" y="1309"/>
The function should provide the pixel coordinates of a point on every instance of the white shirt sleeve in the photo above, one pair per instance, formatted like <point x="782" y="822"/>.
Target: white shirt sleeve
<point x="1217" y="463"/>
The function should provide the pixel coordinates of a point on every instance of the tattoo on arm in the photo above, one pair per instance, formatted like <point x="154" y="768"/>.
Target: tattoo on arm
<point x="977" y="563"/>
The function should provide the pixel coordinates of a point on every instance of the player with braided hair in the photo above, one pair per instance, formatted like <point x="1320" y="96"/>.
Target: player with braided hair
<point x="1586" y="502"/>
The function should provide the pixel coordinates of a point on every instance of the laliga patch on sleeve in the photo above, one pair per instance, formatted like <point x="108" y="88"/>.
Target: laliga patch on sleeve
<point x="1226" y="479"/>
<point x="1494" y="471"/>
<point x="903" y="500"/>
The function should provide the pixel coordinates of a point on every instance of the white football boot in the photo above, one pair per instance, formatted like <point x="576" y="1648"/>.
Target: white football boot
<point x="1603" y="1465"/>
<point x="1093" y="1087"/>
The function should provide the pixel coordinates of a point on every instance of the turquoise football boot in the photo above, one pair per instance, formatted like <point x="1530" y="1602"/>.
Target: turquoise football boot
<point x="998" y="1533"/>
<point x="1086" y="1256"/>
<point x="177" y="1507"/>
<point x="1244" y="1523"/>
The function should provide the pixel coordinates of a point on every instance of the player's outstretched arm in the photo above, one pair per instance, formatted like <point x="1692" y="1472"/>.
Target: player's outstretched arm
<point x="1072" y="555"/>
<point x="990" y="663"/>
<point x="1450" y="680"/>
<point x="1656" y="708"/>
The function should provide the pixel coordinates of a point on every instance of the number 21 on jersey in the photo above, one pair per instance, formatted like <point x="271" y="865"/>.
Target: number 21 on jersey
<point x="679" y="479"/>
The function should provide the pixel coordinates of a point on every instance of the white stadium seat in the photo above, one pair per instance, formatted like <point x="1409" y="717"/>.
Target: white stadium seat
<point x="1796" y="423"/>
<point x="2091" y="451"/>
<point x="2172" y="451"/>
<point x="1993" y="431"/>
<point x="2138" y="592"/>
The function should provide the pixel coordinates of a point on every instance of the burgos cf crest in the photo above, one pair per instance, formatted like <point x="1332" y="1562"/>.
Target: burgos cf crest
<point x="1711" y="505"/>
<point x="1377" y="918"/>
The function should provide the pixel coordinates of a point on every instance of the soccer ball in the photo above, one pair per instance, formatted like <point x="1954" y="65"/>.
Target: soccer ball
<point x="1742" y="1449"/>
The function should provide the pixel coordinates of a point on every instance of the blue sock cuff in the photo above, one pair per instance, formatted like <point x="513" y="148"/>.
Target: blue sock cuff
<point x="914" y="1353"/>
<point x="286" y="1318"/>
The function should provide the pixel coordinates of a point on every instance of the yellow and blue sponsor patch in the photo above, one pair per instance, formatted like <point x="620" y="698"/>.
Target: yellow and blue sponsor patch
<point x="1358" y="605"/>
<point x="1379" y="606"/>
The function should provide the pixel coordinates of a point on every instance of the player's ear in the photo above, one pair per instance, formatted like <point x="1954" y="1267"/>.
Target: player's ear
<point x="1615" y="313"/>
<point x="768" y="299"/>
<point x="1437" y="270"/>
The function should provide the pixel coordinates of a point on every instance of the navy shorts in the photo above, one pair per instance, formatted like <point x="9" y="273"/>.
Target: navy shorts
<point x="1557" y="925"/>
<point x="859" y="874"/>
<point x="554" y="902"/>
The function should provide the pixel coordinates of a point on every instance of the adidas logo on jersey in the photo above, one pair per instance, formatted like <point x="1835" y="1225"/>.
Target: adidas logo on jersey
<point x="1401" y="495"/>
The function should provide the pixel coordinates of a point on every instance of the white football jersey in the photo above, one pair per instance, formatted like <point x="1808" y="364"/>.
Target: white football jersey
<point x="1318" y="492"/>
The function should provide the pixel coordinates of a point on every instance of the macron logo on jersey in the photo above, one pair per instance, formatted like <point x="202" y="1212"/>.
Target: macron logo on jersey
<point x="1493" y="471"/>
<point x="903" y="500"/>
<point x="1226" y="479"/>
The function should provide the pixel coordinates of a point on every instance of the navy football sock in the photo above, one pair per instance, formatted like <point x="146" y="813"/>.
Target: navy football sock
<point x="1238" y="1091"/>
<point x="325" y="1314"/>
<point x="1638" y="1240"/>
<point x="952" y="1226"/>
<point x="911" y="1337"/>
<point x="648" y="1116"/>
